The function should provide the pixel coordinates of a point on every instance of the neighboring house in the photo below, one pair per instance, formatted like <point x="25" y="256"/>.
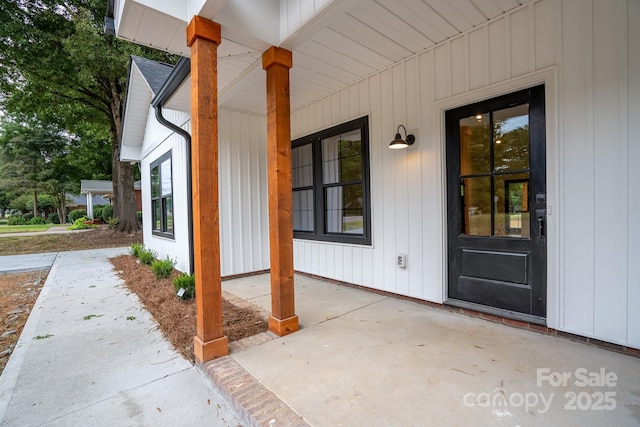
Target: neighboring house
<point x="79" y="201"/>
<point x="102" y="192"/>
<point x="517" y="198"/>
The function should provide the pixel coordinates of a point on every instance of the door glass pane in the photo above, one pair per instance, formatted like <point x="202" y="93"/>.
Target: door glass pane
<point x="344" y="209"/>
<point x="476" y="206"/>
<point x="303" y="210"/>
<point x="342" y="158"/>
<point x="511" y="138"/>
<point x="302" y="166"/>
<point x="475" y="145"/>
<point x="512" y="216"/>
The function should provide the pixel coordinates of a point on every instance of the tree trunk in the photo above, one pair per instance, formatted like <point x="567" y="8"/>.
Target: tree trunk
<point x="122" y="172"/>
<point x="35" y="204"/>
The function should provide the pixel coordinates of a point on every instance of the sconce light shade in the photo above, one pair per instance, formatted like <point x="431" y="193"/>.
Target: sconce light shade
<point x="399" y="143"/>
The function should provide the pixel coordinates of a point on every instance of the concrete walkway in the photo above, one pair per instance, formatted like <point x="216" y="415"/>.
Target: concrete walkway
<point x="363" y="359"/>
<point x="90" y="355"/>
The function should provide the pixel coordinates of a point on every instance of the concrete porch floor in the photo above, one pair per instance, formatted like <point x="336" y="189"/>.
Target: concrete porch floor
<point x="366" y="359"/>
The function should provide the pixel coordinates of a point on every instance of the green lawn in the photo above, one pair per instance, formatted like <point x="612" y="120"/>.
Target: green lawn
<point x="4" y="229"/>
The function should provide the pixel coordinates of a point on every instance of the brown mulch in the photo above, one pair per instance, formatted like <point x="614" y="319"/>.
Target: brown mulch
<point x="18" y="294"/>
<point x="177" y="317"/>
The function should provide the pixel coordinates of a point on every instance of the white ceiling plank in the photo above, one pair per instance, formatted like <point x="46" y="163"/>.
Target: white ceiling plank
<point x="308" y="62"/>
<point x="350" y="27"/>
<point x="422" y="18"/>
<point x="323" y="53"/>
<point x="488" y="8"/>
<point x="445" y="9"/>
<point x="349" y="47"/>
<point x="469" y="10"/>
<point x="506" y="5"/>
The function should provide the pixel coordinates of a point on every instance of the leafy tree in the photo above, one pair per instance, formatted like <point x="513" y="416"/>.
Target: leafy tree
<point x="59" y="65"/>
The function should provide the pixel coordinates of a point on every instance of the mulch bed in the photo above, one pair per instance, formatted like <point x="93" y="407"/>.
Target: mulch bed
<point x="177" y="317"/>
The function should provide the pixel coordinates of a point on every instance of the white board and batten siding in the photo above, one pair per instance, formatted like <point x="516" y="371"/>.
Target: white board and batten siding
<point x="244" y="229"/>
<point x="586" y="54"/>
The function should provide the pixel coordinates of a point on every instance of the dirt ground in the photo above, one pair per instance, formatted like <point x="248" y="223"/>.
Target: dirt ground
<point x="18" y="294"/>
<point x="177" y="317"/>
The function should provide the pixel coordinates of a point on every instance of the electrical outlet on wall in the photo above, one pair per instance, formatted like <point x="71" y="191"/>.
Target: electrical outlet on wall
<point x="401" y="260"/>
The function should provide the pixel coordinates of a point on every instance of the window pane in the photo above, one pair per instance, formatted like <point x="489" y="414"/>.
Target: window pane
<point x="303" y="210"/>
<point x="155" y="181"/>
<point x="165" y="174"/>
<point x="168" y="214"/>
<point x="342" y="158"/>
<point x="476" y="206"/>
<point x="511" y="138"/>
<point x="155" y="212"/>
<point x="302" y="166"/>
<point x="344" y="209"/>
<point x="512" y="217"/>
<point x="474" y="145"/>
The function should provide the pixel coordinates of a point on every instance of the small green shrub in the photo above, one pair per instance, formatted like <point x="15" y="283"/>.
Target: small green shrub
<point x="113" y="223"/>
<point x="97" y="212"/>
<point x="135" y="249"/>
<point x="53" y="218"/>
<point x="139" y="216"/>
<point x="37" y="220"/>
<point x="15" y="220"/>
<point x="77" y="213"/>
<point x="107" y="213"/>
<point x="147" y="256"/>
<point x="186" y="282"/>
<point x="162" y="269"/>
<point x="27" y="217"/>
<point x="79" y="224"/>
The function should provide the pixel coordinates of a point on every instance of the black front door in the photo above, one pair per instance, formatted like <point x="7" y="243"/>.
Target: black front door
<point x="496" y="201"/>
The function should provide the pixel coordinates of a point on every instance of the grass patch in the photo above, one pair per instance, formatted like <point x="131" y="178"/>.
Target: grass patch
<point x="91" y="316"/>
<point x="131" y="317"/>
<point x="4" y="229"/>
<point x="101" y="237"/>
<point x="42" y="337"/>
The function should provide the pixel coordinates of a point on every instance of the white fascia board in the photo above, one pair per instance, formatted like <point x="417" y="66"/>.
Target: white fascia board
<point x="252" y="23"/>
<point x="205" y="7"/>
<point x="135" y="114"/>
<point x="130" y="154"/>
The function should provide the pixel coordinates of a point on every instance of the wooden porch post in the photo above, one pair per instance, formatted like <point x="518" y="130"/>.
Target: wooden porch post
<point x="277" y="61"/>
<point x="203" y="37"/>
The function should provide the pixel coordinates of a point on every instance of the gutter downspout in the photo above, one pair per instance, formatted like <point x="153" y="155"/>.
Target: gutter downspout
<point x="180" y="72"/>
<point x="187" y="137"/>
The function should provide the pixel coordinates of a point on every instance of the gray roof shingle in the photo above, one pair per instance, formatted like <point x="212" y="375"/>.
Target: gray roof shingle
<point x="155" y="73"/>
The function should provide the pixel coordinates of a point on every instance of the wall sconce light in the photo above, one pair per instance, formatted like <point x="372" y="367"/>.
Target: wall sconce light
<point x="399" y="143"/>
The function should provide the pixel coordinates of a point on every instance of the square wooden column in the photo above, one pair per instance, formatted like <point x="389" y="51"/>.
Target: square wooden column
<point x="277" y="61"/>
<point x="203" y="37"/>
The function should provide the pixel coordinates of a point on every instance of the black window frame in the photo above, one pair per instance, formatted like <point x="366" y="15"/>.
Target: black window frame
<point x="318" y="186"/>
<point x="163" y="231"/>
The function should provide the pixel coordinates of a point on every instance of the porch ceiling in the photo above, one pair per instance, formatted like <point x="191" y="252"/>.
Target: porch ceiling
<point x="341" y="43"/>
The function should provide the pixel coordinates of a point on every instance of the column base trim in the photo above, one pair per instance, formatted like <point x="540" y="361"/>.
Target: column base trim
<point x="282" y="327"/>
<point x="207" y="351"/>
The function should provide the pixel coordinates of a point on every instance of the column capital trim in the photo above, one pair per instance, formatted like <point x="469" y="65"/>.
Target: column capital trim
<point x="200" y="27"/>
<point x="276" y="55"/>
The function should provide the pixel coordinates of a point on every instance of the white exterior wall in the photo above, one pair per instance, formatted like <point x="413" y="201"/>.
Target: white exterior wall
<point x="158" y="141"/>
<point x="244" y="229"/>
<point x="586" y="53"/>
